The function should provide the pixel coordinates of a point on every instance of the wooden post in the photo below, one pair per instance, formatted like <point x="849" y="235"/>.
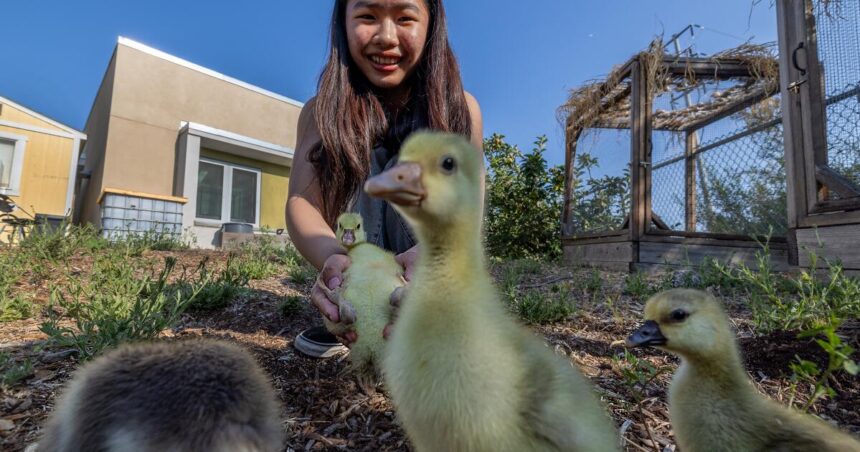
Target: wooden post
<point x="692" y="142"/>
<point x="640" y="115"/>
<point x="571" y="137"/>
<point x="812" y="107"/>
<point x="791" y="32"/>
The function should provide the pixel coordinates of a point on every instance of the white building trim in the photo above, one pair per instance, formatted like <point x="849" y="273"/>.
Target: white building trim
<point x="176" y="60"/>
<point x="17" y="170"/>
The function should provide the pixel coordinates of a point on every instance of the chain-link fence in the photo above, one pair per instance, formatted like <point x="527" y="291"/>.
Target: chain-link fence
<point x="838" y="38"/>
<point x="736" y="163"/>
<point x="601" y="180"/>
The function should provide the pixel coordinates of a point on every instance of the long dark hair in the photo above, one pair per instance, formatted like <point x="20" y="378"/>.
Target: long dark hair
<point x="351" y="118"/>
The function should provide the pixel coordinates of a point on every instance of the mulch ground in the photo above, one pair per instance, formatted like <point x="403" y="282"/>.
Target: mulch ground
<point x="326" y="408"/>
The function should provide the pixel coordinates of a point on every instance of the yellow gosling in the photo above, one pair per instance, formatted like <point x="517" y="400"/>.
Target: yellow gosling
<point x="363" y="298"/>
<point x="180" y="396"/>
<point x="463" y="375"/>
<point x="713" y="405"/>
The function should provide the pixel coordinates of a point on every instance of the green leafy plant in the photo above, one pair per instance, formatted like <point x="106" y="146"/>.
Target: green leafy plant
<point x="636" y="285"/>
<point x="116" y="307"/>
<point x="536" y="307"/>
<point x="12" y="372"/>
<point x="16" y="307"/>
<point x="213" y="292"/>
<point x="290" y="305"/>
<point x="838" y="359"/>
<point x="524" y="198"/>
<point x="303" y="274"/>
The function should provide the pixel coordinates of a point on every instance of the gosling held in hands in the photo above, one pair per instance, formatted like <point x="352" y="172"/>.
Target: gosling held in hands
<point x="363" y="297"/>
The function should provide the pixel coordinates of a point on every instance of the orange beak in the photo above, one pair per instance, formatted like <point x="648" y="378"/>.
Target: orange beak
<point x="400" y="184"/>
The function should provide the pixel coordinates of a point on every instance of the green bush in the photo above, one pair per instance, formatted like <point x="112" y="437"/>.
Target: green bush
<point x="115" y="307"/>
<point x="15" y="307"/>
<point x="290" y="305"/>
<point x="524" y="198"/>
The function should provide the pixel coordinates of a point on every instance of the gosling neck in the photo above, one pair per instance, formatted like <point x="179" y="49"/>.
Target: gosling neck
<point x="723" y="367"/>
<point x="456" y="246"/>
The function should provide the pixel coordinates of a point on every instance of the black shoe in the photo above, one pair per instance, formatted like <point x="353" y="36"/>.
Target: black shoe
<point x="317" y="342"/>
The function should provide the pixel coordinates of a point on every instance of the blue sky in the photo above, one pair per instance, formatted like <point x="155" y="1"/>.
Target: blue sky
<point x="518" y="58"/>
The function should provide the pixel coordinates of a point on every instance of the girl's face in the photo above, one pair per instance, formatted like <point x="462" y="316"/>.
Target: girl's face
<point x="386" y="38"/>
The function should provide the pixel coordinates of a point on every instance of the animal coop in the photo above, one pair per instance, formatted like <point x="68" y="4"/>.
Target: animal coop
<point x="672" y="159"/>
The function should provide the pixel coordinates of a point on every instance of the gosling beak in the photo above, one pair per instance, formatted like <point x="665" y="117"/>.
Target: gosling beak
<point x="348" y="237"/>
<point x="648" y="334"/>
<point x="400" y="184"/>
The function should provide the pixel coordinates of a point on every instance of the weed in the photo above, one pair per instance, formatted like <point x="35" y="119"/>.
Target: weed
<point x="290" y="305"/>
<point x="116" y="307"/>
<point x="636" y="373"/>
<point x="303" y="274"/>
<point x="807" y="372"/>
<point x="15" y="307"/>
<point x="636" y="285"/>
<point x="11" y="371"/>
<point x="214" y="292"/>
<point x="533" y="306"/>
<point x="592" y="283"/>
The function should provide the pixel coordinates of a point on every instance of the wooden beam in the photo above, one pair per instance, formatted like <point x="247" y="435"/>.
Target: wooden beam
<point x="812" y="106"/>
<point x="836" y="182"/>
<point x="712" y="235"/>
<point x="712" y="241"/>
<point x="707" y="68"/>
<point x="730" y="109"/>
<point x="659" y="222"/>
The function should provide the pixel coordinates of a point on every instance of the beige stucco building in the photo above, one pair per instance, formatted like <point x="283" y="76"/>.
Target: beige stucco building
<point x="176" y="147"/>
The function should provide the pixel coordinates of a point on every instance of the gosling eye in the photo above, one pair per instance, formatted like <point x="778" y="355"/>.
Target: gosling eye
<point x="448" y="164"/>
<point x="358" y="227"/>
<point x="679" y="315"/>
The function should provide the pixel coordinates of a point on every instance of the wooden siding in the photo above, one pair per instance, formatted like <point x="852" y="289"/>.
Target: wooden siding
<point x="45" y="175"/>
<point x="679" y="254"/>
<point x="10" y="113"/>
<point x="273" y="186"/>
<point x="837" y="243"/>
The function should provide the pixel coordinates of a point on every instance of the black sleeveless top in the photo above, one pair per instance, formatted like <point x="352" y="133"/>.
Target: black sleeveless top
<point x="384" y="227"/>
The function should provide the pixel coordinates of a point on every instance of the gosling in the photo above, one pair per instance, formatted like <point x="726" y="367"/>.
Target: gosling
<point x="363" y="298"/>
<point x="184" y="396"/>
<point x="713" y="405"/>
<point x="462" y="374"/>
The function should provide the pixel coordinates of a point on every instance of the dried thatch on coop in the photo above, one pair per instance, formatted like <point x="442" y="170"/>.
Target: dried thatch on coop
<point x="605" y="103"/>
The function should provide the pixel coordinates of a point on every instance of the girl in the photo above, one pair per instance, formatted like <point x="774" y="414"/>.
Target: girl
<point x="390" y="72"/>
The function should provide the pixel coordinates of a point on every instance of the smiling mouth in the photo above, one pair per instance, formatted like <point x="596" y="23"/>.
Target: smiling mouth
<point x="384" y="61"/>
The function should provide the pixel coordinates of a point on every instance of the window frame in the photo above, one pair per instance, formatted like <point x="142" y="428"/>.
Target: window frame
<point x="18" y="153"/>
<point x="227" y="193"/>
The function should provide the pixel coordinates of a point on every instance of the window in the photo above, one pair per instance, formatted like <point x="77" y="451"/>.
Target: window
<point x="227" y="192"/>
<point x="11" y="162"/>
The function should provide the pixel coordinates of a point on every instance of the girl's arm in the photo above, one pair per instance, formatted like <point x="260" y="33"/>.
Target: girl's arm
<point x="309" y="232"/>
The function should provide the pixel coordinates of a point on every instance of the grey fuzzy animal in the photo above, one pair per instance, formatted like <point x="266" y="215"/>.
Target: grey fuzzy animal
<point x="193" y="395"/>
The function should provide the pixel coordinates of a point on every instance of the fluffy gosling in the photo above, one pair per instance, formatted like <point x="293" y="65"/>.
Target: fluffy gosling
<point x="713" y="405"/>
<point x="462" y="374"/>
<point x="363" y="298"/>
<point x="183" y="396"/>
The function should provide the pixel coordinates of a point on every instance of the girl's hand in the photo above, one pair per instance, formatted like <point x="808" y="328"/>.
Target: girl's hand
<point x="407" y="260"/>
<point x="322" y="296"/>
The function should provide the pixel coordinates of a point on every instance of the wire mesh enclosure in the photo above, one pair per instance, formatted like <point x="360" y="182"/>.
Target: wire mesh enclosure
<point x="671" y="157"/>
<point x="838" y="41"/>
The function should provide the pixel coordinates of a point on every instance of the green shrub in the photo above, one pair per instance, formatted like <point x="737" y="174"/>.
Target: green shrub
<point x="524" y="198"/>
<point x="115" y="307"/>
<point x="838" y="359"/>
